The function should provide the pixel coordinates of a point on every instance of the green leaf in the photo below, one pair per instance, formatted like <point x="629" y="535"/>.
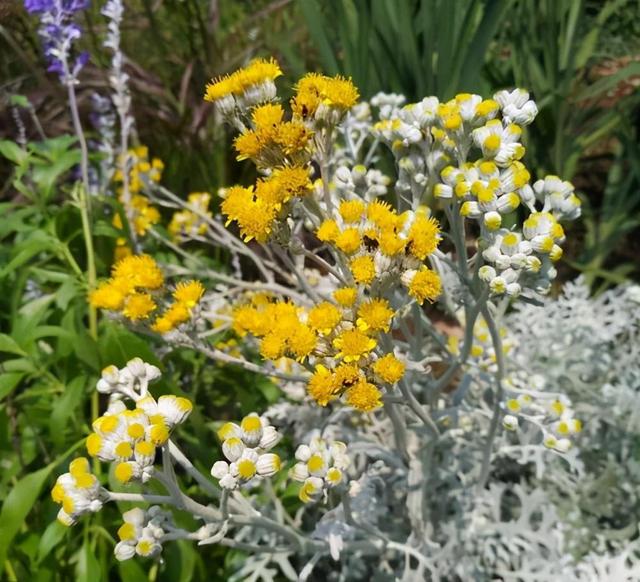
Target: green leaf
<point x="9" y="345"/>
<point x="131" y="571"/>
<point x="51" y="537"/>
<point x="13" y="152"/>
<point x="317" y="24"/>
<point x="20" y="101"/>
<point x="8" y="381"/>
<point x="87" y="566"/>
<point x="18" y="504"/>
<point x="64" y="408"/>
<point x="120" y="345"/>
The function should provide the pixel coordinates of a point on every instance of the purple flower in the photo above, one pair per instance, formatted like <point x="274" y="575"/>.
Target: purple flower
<point x="58" y="31"/>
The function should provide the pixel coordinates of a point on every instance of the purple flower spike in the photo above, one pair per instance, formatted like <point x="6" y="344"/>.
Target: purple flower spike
<point x="58" y="31"/>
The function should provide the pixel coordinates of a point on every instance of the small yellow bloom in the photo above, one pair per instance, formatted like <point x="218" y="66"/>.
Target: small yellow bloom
<point x="363" y="269"/>
<point x="346" y="296"/>
<point x="188" y="293"/>
<point x="324" y="317"/>
<point x="425" y="284"/>
<point x="375" y="315"/>
<point x="389" y="368"/>
<point x="364" y="396"/>
<point x="349" y="240"/>
<point x="353" y="345"/>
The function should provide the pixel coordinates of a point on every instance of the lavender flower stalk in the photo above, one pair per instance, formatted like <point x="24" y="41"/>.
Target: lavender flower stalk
<point x="58" y="31"/>
<point x="119" y="80"/>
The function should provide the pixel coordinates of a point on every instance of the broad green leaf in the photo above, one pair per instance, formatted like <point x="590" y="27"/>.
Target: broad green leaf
<point x="13" y="152"/>
<point x="8" y="381"/>
<point x="120" y="345"/>
<point x="87" y="566"/>
<point x="21" y="499"/>
<point x="9" y="345"/>
<point x="51" y="537"/>
<point x="18" y="504"/>
<point x="65" y="406"/>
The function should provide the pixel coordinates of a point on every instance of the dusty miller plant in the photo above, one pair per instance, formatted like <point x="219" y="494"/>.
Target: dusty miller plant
<point x="429" y="385"/>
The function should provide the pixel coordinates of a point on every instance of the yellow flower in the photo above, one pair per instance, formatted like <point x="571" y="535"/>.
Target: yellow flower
<point x="425" y="284"/>
<point x="272" y="346"/>
<point x="351" y="210"/>
<point x="424" y="236"/>
<point x="364" y="396"/>
<point x="267" y="116"/>
<point x="107" y="296"/>
<point x="248" y="145"/>
<point x="324" y="317"/>
<point x="314" y="90"/>
<point x="258" y="71"/>
<point x="322" y="386"/>
<point x="138" y="306"/>
<point x="349" y="240"/>
<point x="353" y="344"/>
<point x="328" y="231"/>
<point x="374" y="315"/>
<point x="390" y="243"/>
<point x="382" y="215"/>
<point x="302" y="341"/>
<point x="188" y="293"/>
<point x="363" y="269"/>
<point x="389" y="368"/>
<point x="138" y="271"/>
<point x="346" y="296"/>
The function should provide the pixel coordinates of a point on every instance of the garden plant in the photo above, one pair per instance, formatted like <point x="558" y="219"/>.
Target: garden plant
<point x="357" y="362"/>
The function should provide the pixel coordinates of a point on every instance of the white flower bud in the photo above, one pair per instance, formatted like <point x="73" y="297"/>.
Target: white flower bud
<point x="303" y="452"/>
<point x="486" y="273"/>
<point x="137" y="368"/>
<point x="562" y="445"/>
<point x="124" y="551"/>
<point x="268" y="465"/>
<point x="228" y="482"/>
<point x="220" y="469"/>
<point x="510" y="422"/>
<point x="270" y="438"/>
<point x="233" y="448"/>
<point x="299" y="471"/>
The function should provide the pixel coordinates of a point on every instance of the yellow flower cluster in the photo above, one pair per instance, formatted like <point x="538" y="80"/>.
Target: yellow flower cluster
<point x="274" y="142"/>
<point x="317" y="94"/>
<point x="340" y="334"/>
<point x="135" y="286"/>
<point x="144" y="214"/>
<point x="375" y="232"/>
<point x="255" y="209"/>
<point x="186" y="296"/>
<point x="278" y="146"/>
<point x="188" y="223"/>
<point x="257" y="72"/>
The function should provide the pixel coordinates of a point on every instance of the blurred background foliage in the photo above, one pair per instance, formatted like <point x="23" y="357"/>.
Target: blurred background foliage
<point x="579" y="58"/>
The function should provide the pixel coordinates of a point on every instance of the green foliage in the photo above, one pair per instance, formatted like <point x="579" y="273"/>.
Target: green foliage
<point x="413" y="47"/>
<point x="49" y="364"/>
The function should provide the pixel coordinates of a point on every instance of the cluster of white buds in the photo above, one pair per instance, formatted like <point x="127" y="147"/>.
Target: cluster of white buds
<point x="552" y="414"/>
<point x="141" y="533"/>
<point x="473" y="148"/>
<point x="78" y="491"/>
<point x="132" y="381"/>
<point x="321" y="466"/>
<point x="127" y="436"/>
<point x="358" y="181"/>
<point x="245" y="446"/>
